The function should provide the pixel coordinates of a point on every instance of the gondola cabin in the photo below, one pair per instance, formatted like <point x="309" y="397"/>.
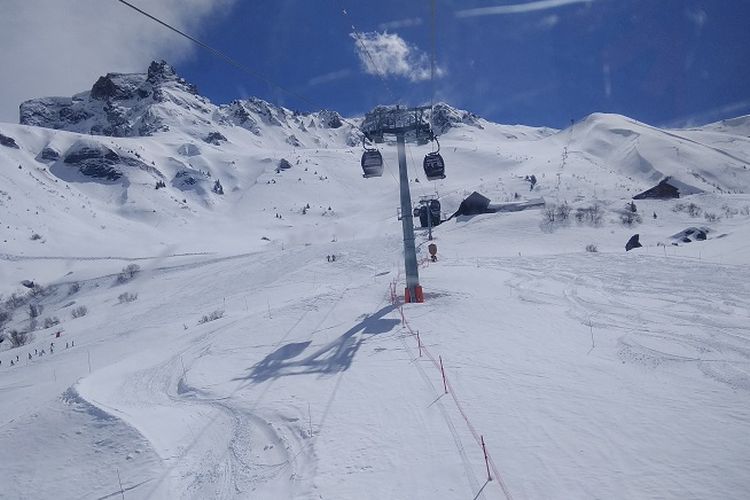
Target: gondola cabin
<point x="372" y="163"/>
<point x="434" y="166"/>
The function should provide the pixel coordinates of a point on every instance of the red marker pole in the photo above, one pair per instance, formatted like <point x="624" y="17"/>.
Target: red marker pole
<point x="486" y="459"/>
<point x="442" y="370"/>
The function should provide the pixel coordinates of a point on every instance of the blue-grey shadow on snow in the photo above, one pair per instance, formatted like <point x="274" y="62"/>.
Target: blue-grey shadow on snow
<point x="334" y="357"/>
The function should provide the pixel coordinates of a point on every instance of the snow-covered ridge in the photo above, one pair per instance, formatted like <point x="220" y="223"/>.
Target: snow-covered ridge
<point x="149" y="149"/>
<point x="144" y="104"/>
<point x="120" y="104"/>
<point x="209" y="349"/>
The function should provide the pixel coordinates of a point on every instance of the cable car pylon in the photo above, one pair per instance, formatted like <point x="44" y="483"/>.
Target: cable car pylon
<point x="402" y="122"/>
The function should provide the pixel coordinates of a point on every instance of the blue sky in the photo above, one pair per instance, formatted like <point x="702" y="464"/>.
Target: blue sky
<point x="536" y="62"/>
<point x="660" y="61"/>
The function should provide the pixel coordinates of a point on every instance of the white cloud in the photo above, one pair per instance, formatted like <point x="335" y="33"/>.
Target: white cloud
<point x="54" y="47"/>
<point x="389" y="54"/>
<point x="329" y="77"/>
<point x="401" y="23"/>
<point x="549" y="22"/>
<point x="519" y="8"/>
<point x="698" y="17"/>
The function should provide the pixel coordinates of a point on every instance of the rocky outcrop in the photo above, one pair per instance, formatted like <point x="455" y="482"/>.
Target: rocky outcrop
<point x="120" y="87"/>
<point x="293" y="141"/>
<point x="94" y="160"/>
<point x="190" y="179"/>
<point x="237" y="114"/>
<point x="215" y="138"/>
<point x="189" y="149"/>
<point x="48" y="154"/>
<point x="8" y="142"/>
<point x="159" y="72"/>
<point x="329" y="119"/>
<point x="98" y="161"/>
<point x="445" y="117"/>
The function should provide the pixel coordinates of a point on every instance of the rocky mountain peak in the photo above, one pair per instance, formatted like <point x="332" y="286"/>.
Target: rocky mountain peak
<point x="444" y="117"/>
<point x="119" y="87"/>
<point x="119" y="104"/>
<point x="159" y="71"/>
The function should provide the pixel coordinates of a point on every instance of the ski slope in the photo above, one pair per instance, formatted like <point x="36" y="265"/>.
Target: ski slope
<point x="588" y="374"/>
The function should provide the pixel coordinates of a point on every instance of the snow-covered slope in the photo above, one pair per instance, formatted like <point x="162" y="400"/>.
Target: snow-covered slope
<point x="588" y="374"/>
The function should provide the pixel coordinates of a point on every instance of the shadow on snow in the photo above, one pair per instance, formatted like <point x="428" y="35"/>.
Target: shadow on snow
<point x="334" y="357"/>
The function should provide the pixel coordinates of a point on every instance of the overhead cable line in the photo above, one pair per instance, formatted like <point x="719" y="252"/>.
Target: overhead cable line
<point x="432" y="59"/>
<point x="233" y="62"/>
<point x="432" y="63"/>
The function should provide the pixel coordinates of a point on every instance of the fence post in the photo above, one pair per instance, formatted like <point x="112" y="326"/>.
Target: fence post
<point x="486" y="460"/>
<point x="442" y="371"/>
<point x="122" y="491"/>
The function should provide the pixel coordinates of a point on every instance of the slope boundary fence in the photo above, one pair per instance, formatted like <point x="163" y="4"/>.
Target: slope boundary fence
<point x="437" y="362"/>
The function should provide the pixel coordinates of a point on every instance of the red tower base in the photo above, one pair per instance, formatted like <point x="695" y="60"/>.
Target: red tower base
<point x="418" y="295"/>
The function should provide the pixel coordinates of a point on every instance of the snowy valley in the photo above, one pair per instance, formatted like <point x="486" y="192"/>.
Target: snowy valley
<point x="170" y="257"/>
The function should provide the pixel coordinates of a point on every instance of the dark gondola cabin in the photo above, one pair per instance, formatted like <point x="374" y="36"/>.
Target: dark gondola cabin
<point x="372" y="163"/>
<point x="434" y="166"/>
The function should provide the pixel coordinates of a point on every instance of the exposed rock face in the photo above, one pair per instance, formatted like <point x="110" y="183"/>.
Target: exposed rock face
<point x="190" y="179"/>
<point x="283" y="165"/>
<point x="330" y="119"/>
<point x="8" y="142"/>
<point x="94" y="160"/>
<point x="160" y="72"/>
<point x="118" y="104"/>
<point x="97" y="161"/>
<point x="48" y="154"/>
<point x="237" y="114"/>
<point x="188" y="149"/>
<point x="293" y="141"/>
<point x="120" y="87"/>
<point x="215" y="138"/>
<point x="445" y="117"/>
<point x="269" y="114"/>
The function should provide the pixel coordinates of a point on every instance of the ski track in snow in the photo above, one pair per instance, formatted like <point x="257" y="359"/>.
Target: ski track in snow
<point x="603" y="375"/>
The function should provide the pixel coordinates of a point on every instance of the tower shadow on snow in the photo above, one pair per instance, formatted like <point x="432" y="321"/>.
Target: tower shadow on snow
<point x="334" y="357"/>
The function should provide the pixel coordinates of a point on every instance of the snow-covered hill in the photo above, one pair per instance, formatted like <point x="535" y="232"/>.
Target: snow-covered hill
<point x="235" y="361"/>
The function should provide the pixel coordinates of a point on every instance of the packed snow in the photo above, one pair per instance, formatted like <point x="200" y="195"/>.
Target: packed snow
<point x="209" y="347"/>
